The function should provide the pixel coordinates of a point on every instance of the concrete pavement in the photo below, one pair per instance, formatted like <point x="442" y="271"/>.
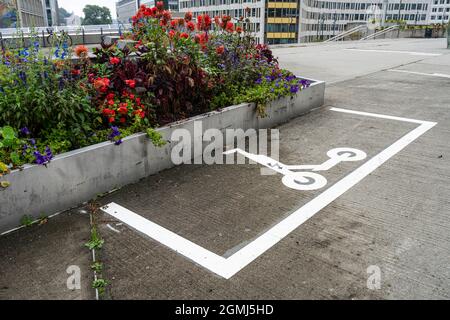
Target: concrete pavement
<point x="396" y="219"/>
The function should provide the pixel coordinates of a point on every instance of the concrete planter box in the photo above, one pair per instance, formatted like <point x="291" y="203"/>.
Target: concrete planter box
<point x="75" y="177"/>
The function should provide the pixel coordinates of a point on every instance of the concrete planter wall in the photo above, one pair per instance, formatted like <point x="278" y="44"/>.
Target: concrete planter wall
<point x="78" y="176"/>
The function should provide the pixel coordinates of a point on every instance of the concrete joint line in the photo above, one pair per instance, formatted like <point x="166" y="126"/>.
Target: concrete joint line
<point x="227" y="267"/>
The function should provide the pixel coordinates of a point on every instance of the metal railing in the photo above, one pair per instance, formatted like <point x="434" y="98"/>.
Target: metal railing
<point x="71" y="30"/>
<point x="379" y="33"/>
<point x="346" y="33"/>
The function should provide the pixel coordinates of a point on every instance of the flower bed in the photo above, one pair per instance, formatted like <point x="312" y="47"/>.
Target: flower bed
<point x="79" y="175"/>
<point x="61" y="110"/>
<point x="177" y="68"/>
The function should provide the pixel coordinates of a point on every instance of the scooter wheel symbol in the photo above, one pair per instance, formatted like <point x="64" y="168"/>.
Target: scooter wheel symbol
<point x="304" y="181"/>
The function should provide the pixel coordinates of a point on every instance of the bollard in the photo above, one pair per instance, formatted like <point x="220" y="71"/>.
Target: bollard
<point x="43" y="39"/>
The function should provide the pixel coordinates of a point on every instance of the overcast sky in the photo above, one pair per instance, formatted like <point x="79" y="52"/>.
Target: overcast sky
<point x="77" y="6"/>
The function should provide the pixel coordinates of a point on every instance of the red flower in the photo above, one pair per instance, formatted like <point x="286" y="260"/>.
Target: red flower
<point x="238" y="29"/>
<point x="108" y="112"/>
<point x="188" y="16"/>
<point x="190" y="26"/>
<point x="131" y="96"/>
<point x="76" y="72"/>
<point x="114" y="60"/>
<point x="229" y="26"/>
<point x="111" y="102"/>
<point x="174" y="23"/>
<point x="131" y="83"/>
<point x="172" y="34"/>
<point x="123" y="109"/>
<point x="110" y="96"/>
<point x="167" y="15"/>
<point x="203" y="22"/>
<point x="111" y="120"/>
<point x="123" y="120"/>
<point x="184" y="35"/>
<point x="101" y="84"/>
<point x="220" y="49"/>
<point x="160" y="5"/>
<point x="81" y="51"/>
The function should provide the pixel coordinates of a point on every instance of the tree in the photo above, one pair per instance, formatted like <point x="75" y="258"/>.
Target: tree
<point x="96" y="15"/>
<point x="62" y="15"/>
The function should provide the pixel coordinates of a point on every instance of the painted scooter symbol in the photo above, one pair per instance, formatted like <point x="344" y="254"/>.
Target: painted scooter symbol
<point x="305" y="180"/>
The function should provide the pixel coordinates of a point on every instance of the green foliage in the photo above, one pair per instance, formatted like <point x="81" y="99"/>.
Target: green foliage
<point x="100" y="285"/>
<point x="10" y="145"/>
<point x="94" y="15"/>
<point x="26" y="220"/>
<point x="156" y="137"/>
<point x="95" y="242"/>
<point x="97" y="267"/>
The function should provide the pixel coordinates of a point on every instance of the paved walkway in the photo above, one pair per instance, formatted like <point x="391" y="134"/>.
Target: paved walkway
<point x="395" y="220"/>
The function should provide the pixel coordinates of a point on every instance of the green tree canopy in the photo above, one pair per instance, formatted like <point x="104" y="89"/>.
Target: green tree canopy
<point x="96" y="15"/>
<point x="62" y="14"/>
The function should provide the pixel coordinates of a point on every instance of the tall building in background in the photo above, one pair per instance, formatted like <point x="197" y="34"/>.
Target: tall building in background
<point x="8" y="14"/>
<point x="290" y="21"/>
<point x="127" y="8"/>
<point x="271" y="21"/>
<point x="51" y="12"/>
<point x="28" y="13"/>
<point x="440" y="11"/>
<point x="322" y="19"/>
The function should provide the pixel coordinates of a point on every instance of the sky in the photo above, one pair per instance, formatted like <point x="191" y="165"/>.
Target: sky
<point x="77" y="6"/>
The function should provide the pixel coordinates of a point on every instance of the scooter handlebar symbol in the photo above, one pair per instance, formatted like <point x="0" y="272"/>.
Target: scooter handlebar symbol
<point x="305" y="180"/>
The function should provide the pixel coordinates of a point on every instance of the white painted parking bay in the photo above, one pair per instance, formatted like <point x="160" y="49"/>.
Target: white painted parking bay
<point x="227" y="266"/>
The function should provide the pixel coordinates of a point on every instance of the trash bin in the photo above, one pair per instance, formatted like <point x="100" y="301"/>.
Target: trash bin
<point x="428" y="33"/>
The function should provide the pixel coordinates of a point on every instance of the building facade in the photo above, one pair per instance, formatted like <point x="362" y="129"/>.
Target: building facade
<point x="440" y="11"/>
<point x="322" y="19"/>
<point x="28" y="13"/>
<point x="289" y="21"/>
<point x="51" y="12"/>
<point x="31" y="13"/>
<point x="127" y="8"/>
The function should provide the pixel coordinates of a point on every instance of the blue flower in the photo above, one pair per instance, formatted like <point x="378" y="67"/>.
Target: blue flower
<point x="23" y="77"/>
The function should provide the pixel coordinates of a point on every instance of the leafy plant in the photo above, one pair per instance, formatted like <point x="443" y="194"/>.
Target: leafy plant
<point x="156" y="137"/>
<point x="26" y="220"/>
<point x="95" y="242"/>
<point x="97" y="267"/>
<point x="100" y="285"/>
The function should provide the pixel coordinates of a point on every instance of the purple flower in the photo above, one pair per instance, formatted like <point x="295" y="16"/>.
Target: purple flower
<point x="115" y="133"/>
<point x="24" y="131"/>
<point x="305" y="83"/>
<point x="294" y="89"/>
<point x="48" y="153"/>
<point x="43" y="159"/>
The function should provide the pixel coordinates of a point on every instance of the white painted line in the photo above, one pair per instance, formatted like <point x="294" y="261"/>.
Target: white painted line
<point x="440" y="75"/>
<point x="413" y="53"/>
<point x="190" y="250"/>
<point x="227" y="267"/>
